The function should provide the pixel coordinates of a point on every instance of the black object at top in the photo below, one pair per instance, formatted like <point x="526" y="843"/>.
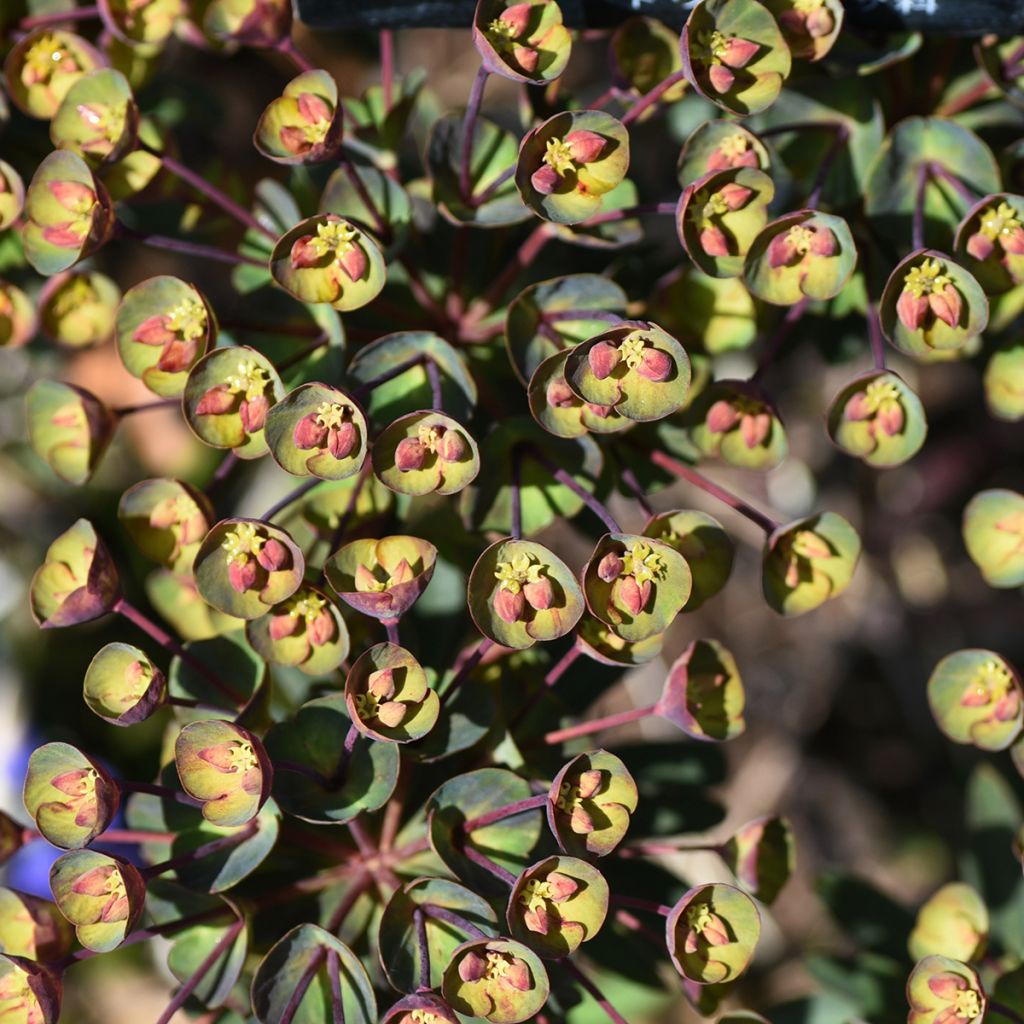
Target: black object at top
<point x="940" y="17"/>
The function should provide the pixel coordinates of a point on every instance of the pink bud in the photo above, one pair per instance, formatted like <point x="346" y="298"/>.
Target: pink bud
<point x="713" y="241"/>
<point x="820" y="22"/>
<point x="452" y="447"/>
<point x="890" y="418"/>
<point x="303" y="254"/>
<point x="539" y="595"/>
<point x="946" y="305"/>
<point x="283" y="625"/>
<point x="509" y="607"/>
<point x="518" y="976"/>
<point x="719" y="161"/>
<point x="72" y="195"/>
<point x="1013" y="241"/>
<point x="308" y="433"/>
<point x="219" y="757"/>
<point x="273" y="556"/>
<point x="911" y="309"/>
<point x="590" y="782"/>
<point x="253" y="413"/>
<point x="600" y="411"/>
<point x="153" y="331"/>
<point x="402" y="573"/>
<point x="538" y="920"/>
<point x="242" y="575"/>
<point x="735" y="196"/>
<point x="585" y="146"/>
<point x="739" y="52"/>
<point x="410" y="455"/>
<point x="580" y="821"/>
<point x="721" y="77"/>
<point x="517" y="17"/>
<point x="715" y="932"/>
<point x="655" y="365"/>
<point x="824" y="242"/>
<point x="545" y="179"/>
<point x="215" y="402"/>
<point x="560" y="395"/>
<point x="115" y="910"/>
<point x="782" y="251"/>
<point x="1007" y="707"/>
<point x="947" y="985"/>
<point x="722" y="416"/>
<point x="755" y="429"/>
<point x="177" y="356"/>
<point x="472" y="967"/>
<point x="603" y="358"/>
<point x="610" y="567"/>
<point x="392" y="713"/>
<point x="627" y="595"/>
<point x="294" y="140"/>
<point x="354" y="262"/>
<point x="364" y="579"/>
<point x="526" y="57"/>
<point x="562" y="886"/>
<point x="312" y="108"/>
<point x="381" y="683"/>
<point x="341" y="441"/>
<point x="64" y="236"/>
<point x="95" y="882"/>
<point x="857" y="408"/>
<point x="70" y="783"/>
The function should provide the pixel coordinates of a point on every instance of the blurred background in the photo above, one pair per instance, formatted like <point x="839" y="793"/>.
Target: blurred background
<point x="839" y="736"/>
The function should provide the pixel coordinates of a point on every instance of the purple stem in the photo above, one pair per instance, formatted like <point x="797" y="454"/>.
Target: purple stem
<point x="476" y="96"/>
<point x="391" y="625"/>
<point x="350" y="507"/>
<point x="488" y="193"/>
<point x="486" y="864"/>
<point x="58" y="17"/>
<point x="303" y="353"/>
<point x="876" y="337"/>
<point x="517" y="495"/>
<point x="652" y="97"/>
<point x="130" y="410"/>
<point x="629" y="211"/>
<point x="299" y="59"/>
<point x="434" y="376"/>
<point x="179" y="245"/>
<point x="562" y="665"/>
<point x="782" y="333"/>
<point x="222" y="472"/>
<point x="334" y="976"/>
<point x="456" y="920"/>
<point x="556" y="316"/>
<point x="531" y="803"/>
<point x="302" y="987"/>
<point x="352" y="172"/>
<point x="387" y="67"/>
<point x="419" y="918"/>
<point x="965" y="192"/>
<point x="181" y="996"/>
<point x="581" y="492"/>
<point x="289" y="499"/>
<point x="1005" y="1011"/>
<point x="155" y="789"/>
<point x="826" y="165"/>
<point x="361" y="392"/>
<point x="639" y="904"/>
<point x="465" y="670"/>
<point x="206" y="850"/>
<point x="923" y="174"/>
<point x="594" y="992"/>
<point x="598" y="724"/>
<point x="337" y="919"/>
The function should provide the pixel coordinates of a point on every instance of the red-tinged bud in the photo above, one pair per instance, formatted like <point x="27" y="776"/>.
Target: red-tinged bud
<point x="452" y="446"/>
<point x="545" y="179"/>
<point x="824" y="242"/>
<point x="739" y="52"/>
<point x="308" y="433"/>
<point x="585" y="146"/>
<point x="857" y="408"/>
<point x="946" y="305"/>
<point x="341" y="441"/>
<point x="526" y="57"/>
<point x="410" y="454"/>
<point x="735" y="196"/>
<point x="220" y="757"/>
<point x="713" y="241"/>
<point x="722" y="416"/>
<point x="911" y="309"/>
<point x="72" y="195"/>
<point x="603" y="358"/>
<point x="391" y="713"/>
<point x="217" y="401"/>
<point x="601" y="411"/>
<point x="283" y="625"/>
<point x="242" y="575"/>
<point x="610" y="567"/>
<point x="273" y="555"/>
<point x="722" y="79"/>
<point x="176" y="356"/>
<point x="1012" y="241"/>
<point x="560" y="395"/>
<point x="890" y="418"/>
<point x="70" y="782"/>
<point x="403" y="572"/>
<point x="517" y="17"/>
<point x="354" y="262"/>
<point x="755" y="428"/>
<point x="518" y="976"/>
<point x="562" y="886"/>
<point x="538" y="920"/>
<point x="539" y="595"/>
<point x="381" y="684"/>
<point x="365" y="580"/>
<point x="294" y="140"/>
<point x="115" y="910"/>
<point x="152" y="331"/>
<point x="820" y="22"/>
<point x="509" y="606"/>
<point x="715" y="931"/>
<point x="312" y="108"/>
<point x="628" y="595"/>
<point x="253" y="413"/>
<point x="782" y="251"/>
<point x="590" y="782"/>
<point x="1007" y="707"/>
<point x="655" y="365"/>
<point x="304" y="253"/>
<point x="64" y="236"/>
<point x="580" y="821"/>
<point x="95" y="882"/>
<point x="472" y="967"/>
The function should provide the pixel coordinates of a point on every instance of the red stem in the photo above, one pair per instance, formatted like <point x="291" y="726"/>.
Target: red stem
<point x="387" y="66"/>
<point x="598" y="724"/>
<point x="476" y="97"/>
<point x="638" y="904"/>
<point x="876" y="337"/>
<point x="180" y="246"/>
<point x="130" y="410"/>
<point x="531" y="803"/>
<point x="182" y="995"/>
<point x="625" y="213"/>
<point x="301" y="61"/>
<point x="594" y="992"/>
<point x="525" y="255"/>
<point x="652" y="97"/>
<point x="465" y="670"/>
<point x="782" y="333"/>
<point x="58" y="17"/>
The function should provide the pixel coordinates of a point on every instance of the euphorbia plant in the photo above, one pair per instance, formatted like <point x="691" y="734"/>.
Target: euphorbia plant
<point x="379" y="795"/>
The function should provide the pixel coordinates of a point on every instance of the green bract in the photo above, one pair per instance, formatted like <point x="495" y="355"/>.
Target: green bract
<point x="1004" y="380"/>
<point x="12" y="195"/>
<point x="735" y="55"/>
<point x="953" y="922"/>
<point x="164" y="326"/>
<point x="993" y="530"/>
<point x="68" y="213"/>
<point x="604" y="645"/>
<point x="32" y="927"/>
<point x="720" y="215"/>
<point x="879" y="419"/>
<point x="636" y="585"/>
<point x="388" y="695"/>
<point x="71" y="797"/>
<point x="69" y="428"/>
<point x="29" y="992"/>
<point x="990" y="242"/>
<point x="932" y="308"/>
<point x="762" y="856"/>
<point x="305" y="630"/>
<point x="703" y="693"/>
<point x="226" y="768"/>
<point x="17" y="317"/>
<point x="98" y="118"/>
<point x="328" y="259"/>
<point x="712" y="933"/>
<point x="976" y="698"/>
<point x="145" y="22"/>
<point x="226" y="399"/>
<point x="643" y="52"/>
<point x="522" y="41"/>
<point x="519" y="592"/>
<point x="245" y="566"/>
<point x="420" y="1009"/>
<point x="43" y="66"/>
<point x="303" y="125"/>
<point x="705" y="545"/>
<point x="259" y="23"/>
<point x="77" y="581"/>
<point x="809" y="562"/>
<point x="559" y="410"/>
<point x="78" y="309"/>
<point x="101" y="895"/>
<point x="589" y="804"/>
<point x="811" y="27"/>
<point x="804" y="255"/>
<point x="317" y="430"/>
<point x="500" y="980"/>
<point x="568" y="163"/>
<point x="941" y="989"/>
<point x="634" y="368"/>
<point x="167" y="519"/>
<point x="382" y="578"/>
<point x="720" y="146"/>
<point x="556" y="905"/>
<point x="122" y="685"/>
<point x="423" y="453"/>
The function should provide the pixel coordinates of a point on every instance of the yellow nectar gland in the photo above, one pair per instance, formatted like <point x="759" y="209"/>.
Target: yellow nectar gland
<point x="501" y="31"/>
<point x="715" y="45"/>
<point x="632" y="349"/>
<point x="800" y="238"/>
<point x="188" y="319"/>
<point x="243" y="540"/>
<point x="808" y="6"/>
<point x="522" y="569"/>
<point x="250" y="378"/>
<point x="534" y="894"/>
<point x="331" y="414"/>
<point x="106" y="119"/>
<point x="45" y="57"/>
<point x="967" y="1005"/>
<point x="424" y="1017"/>
<point x="642" y="563"/>
<point x="999" y="220"/>
<point x="926" y="279"/>
<point x="878" y="393"/>
<point x="992" y="681"/>
<point x="307" y="607"/>
<point x="699" y="917"/>
<point x="558" y="156"/>
<point x="333" y="237"/>
<point x="240" y="756"/>
<point x="75" y="294"/>
<point x="734" y="146"/>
